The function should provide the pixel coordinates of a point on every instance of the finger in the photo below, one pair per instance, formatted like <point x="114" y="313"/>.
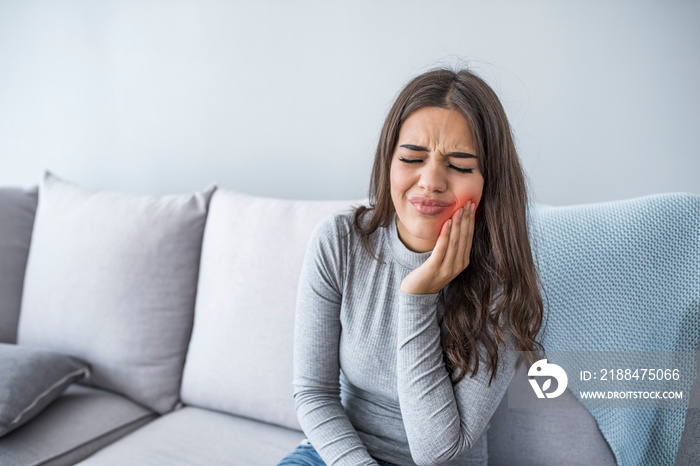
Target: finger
<point x="470" y="234"/>
<point x="440" y="248"/>
<point x="460" y="263"/>
<point x="448" y="262"/>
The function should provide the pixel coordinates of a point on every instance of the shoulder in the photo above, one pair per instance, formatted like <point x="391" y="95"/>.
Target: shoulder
<point x="338" y="235"/>
<point x="342" y="224"/>
<point x="335" y="234"/>
<point x="335" y="224"/>
<point x="328" y="251"/>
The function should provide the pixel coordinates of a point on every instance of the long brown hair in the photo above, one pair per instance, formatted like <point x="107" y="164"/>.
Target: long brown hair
<point x="500" y="289"/>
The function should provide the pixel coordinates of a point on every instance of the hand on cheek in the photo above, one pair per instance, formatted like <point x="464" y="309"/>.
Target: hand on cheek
<point x="449" y="257"/>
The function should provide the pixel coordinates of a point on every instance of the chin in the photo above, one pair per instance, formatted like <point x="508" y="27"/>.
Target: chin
<point x="428" y="231"/>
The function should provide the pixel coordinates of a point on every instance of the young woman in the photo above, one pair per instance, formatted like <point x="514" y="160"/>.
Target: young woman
<point x="411" y="311"/>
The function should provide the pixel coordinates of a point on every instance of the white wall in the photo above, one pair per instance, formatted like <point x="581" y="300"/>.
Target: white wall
<point x="286" y="99"/>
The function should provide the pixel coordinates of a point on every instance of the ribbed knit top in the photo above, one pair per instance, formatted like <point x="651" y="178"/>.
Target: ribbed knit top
<point x="369" y="376"/>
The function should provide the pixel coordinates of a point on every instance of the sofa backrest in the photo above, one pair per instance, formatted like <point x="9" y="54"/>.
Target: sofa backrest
<point x="17" y="209"/>
<point x="240" y="355"/>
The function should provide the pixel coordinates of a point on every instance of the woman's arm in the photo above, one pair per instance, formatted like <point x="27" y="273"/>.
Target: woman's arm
<point x="441" y="420"/>
<point x="316" y="351"/>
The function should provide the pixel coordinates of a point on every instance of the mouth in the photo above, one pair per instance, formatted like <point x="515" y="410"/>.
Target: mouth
<point x="427" y="206"/>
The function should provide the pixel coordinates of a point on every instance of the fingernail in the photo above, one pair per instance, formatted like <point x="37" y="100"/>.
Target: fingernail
<point x="472" y="208"/>
<point x="461" y="211"/>
<point x="449" y="223"/>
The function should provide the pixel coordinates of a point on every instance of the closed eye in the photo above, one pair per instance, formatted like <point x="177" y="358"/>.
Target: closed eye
<point x="449" y="165"/>
<point x="461" y="170"/>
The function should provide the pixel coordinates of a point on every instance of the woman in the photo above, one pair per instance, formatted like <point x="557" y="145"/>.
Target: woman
<point x="410" y="312"/>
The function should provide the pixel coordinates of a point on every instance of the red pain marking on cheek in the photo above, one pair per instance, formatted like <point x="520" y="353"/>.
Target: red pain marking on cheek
<point x="462" y="202"/>
<point x="475" y="201"/>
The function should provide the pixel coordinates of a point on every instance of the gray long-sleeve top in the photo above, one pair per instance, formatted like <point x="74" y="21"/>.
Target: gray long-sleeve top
<point x="369" y="376"/>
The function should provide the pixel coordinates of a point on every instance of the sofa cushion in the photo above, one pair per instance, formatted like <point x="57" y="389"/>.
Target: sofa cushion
<point x="17" y="209"/>
<point x="111" y="279"/>
<point x="536" y="436"/>
<point x="197" y="436"/>
<point x="240" y="355"/>
<point x="77" y="424"/>
<point x="31" y="379"/>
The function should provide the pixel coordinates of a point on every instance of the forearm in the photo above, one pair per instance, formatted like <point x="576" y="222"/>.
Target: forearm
<point x="328" y="428"/>
<point x="442" y="419"/>
<point x="317" y="389"/>
<point x="428" y="405"/>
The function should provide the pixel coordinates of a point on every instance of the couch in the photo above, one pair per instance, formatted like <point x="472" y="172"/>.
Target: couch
<point x="181" y="310"/>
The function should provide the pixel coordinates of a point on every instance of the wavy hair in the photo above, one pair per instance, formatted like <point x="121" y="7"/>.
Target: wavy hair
<point x="500" y="289"/>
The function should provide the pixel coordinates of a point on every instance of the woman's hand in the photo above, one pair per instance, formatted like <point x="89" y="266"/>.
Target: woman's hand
<point x="449" y="257"/>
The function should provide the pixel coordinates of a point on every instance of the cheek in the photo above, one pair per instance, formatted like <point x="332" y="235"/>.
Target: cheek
<point x="470" y="194"/>
<point x="398" y="180"/>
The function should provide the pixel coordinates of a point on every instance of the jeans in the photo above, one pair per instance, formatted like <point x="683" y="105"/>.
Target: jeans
<point x="306" y="455"/>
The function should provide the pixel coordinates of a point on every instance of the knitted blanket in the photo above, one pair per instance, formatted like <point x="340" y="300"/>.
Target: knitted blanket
<point x="624" y="276"/>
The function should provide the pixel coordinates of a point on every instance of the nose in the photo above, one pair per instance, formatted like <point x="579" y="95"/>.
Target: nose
<point x="432" y="176"/>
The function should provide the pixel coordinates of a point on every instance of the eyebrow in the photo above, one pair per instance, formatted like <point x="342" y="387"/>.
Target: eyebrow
<point x="461" y="155"/>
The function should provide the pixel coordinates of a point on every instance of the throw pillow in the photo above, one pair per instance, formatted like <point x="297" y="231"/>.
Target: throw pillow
<point x="31" y="379"/>
<point x="242" y="342"/>
<point x="17" y="208"/>
<point x="111" y="278"/>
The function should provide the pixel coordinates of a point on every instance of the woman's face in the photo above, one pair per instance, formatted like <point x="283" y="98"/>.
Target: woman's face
<point x="434" y="172"/>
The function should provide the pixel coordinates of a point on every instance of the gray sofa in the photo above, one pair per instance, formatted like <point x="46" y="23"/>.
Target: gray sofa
<point x="183" y="307"/>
